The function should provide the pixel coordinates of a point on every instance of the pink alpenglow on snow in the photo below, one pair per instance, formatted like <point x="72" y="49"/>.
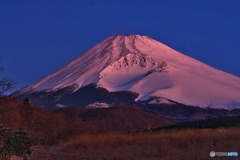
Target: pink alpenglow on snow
<point x="143" y="65"/>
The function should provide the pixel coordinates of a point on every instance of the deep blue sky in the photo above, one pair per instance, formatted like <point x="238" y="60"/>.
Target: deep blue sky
<point x="39" y="36"/>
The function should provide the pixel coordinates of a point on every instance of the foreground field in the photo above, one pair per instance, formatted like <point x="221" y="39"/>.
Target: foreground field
<point x="174" y="144"/>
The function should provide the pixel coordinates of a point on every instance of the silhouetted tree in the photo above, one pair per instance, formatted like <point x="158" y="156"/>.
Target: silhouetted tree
<point x="26" y="100"/>
<point x="6" y="84"/>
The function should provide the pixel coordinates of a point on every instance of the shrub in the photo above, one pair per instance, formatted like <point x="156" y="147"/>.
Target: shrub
<point x="15" y="142"/>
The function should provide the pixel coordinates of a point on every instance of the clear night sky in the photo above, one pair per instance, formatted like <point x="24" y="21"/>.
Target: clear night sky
<point x="37" y="37"/>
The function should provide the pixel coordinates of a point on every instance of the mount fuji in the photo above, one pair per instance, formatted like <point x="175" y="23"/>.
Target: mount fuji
<point x="138" y="68"/>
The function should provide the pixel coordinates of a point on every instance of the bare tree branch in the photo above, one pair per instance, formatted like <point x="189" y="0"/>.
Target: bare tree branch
<point x="6" y="84"/>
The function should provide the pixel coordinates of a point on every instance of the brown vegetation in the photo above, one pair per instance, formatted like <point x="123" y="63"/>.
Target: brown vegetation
<point x="44" y="127"/>
<point x="56" y="137"/>
<point x="169" y="145"/>
<point x="118" y="118"/>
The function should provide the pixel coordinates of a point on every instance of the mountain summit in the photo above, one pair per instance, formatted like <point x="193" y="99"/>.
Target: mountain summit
<point x="147" y="67"/>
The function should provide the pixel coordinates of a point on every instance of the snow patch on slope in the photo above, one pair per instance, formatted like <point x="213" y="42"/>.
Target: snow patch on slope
<point x="98" y="105"/>
<point x="60" y="106"/>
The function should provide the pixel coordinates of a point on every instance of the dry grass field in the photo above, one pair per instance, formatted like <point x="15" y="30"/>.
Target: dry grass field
<point x="170" y="145"/>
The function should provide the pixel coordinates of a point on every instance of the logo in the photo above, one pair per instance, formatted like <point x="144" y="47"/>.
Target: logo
<point x="213" y="154"/>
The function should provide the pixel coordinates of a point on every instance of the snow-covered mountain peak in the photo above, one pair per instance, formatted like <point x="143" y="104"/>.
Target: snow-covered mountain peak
<point x="143" y="65"/>
<point x="85" y="69"/>
<point x="132" y="36"/>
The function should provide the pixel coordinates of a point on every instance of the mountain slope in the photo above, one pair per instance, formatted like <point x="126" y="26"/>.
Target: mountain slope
<point x="117" y="118"/>
<point x="145" y="66"/>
